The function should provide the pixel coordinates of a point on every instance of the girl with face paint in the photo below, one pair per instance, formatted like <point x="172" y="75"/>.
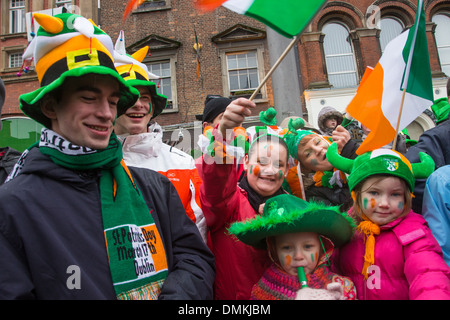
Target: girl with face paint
<point x="298" y="239"/>
<point x="393" y="255"/>
<point x="321" y="181"/>
<point x="226" y="199"/>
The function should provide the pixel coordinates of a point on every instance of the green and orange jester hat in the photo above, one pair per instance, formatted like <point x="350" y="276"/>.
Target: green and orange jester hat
<point x="69" y="45"/>
<point x="136" y="73"/>
<point x="381" y="162"/>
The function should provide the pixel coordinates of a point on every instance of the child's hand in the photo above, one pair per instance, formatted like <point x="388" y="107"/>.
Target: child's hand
<point x="261" y="208"/>
<point x="334" y="291"/>
<point x="341" y="136"/>
<point x="234" y="116"/>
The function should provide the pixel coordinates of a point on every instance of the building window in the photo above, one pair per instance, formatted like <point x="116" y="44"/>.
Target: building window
<point x="16" y="16"/>
<point x="390" y="29"/>
<point x="164" y="84"/>
<point x="19" y="133"/>
<point x="15" y="60"/>
<point x="242" y="70"/>
<point x="443" y="40"/>
<point x="339" y="56"/>
<point x="150" y="5"/>
<point x="60" y="3"/>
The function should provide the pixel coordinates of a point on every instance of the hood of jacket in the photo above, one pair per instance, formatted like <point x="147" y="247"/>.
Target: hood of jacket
<point x="326" y="113"/>
<point x="148" y="144"/>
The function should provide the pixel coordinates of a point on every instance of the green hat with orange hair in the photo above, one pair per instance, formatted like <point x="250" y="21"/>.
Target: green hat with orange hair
<point x="381" y="162"/>
<point x="68" y="45"/>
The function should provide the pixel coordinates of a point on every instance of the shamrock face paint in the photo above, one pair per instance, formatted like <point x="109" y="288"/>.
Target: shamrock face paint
<point x="300" y="249"/>
<point x="383" y="200"/>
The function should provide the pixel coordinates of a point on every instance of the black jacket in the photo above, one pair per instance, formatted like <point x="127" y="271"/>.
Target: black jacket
<point x="434" y="142"/>
<point x="7" y="162"/>
<point x="50" y="219"/>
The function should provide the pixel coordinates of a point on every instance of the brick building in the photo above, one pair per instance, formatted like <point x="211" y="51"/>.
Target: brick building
<point x="324" y="68"/>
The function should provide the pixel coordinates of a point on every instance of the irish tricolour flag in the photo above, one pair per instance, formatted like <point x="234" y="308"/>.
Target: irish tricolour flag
<point x="402" y="76"/>
<point x="287" y="17"/>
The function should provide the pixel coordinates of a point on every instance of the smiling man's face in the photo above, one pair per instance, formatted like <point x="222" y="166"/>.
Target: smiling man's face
<point x="86" y="111"/>
<point x="136" y="119"/>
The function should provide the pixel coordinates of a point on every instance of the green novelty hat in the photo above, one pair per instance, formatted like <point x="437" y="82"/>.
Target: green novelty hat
<point x="381" y="162"/>
<point x="441" y="109"/>
<point x="268" y="117"/>
<point x="286" y="213"/>
<point x="68" y="45"/>
<point x="135" y="73"/>
<point x="293" y="138"/>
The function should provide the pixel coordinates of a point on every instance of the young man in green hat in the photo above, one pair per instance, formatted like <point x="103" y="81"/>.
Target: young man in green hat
<point x="143" y="146"/>
<point x="76" y="222"/>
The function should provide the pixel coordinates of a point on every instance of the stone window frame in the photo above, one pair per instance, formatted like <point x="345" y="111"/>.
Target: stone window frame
<point x="157" y="6"/>
<point x="171" y="57"/>
<point x="4" y="17"/>
<point x="4" y="57"/>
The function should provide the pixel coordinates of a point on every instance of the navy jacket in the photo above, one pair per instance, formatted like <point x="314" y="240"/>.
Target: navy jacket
<point x="7" y="162"/>
<point x="50" y="219"/>
<point x="434" y="142"/>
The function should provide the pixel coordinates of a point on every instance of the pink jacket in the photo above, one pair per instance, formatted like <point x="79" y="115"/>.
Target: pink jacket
<point x="238" y="266"/>
<point x="409" y="260"/>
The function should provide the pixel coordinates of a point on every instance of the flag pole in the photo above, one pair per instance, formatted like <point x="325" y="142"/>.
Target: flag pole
<point x="283" y="55"/>
<point x="394" y="145"/>
<point x="408" y="68"/>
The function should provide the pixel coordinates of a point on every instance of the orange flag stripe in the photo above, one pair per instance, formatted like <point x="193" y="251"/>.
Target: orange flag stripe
<point x="366" y="107"/>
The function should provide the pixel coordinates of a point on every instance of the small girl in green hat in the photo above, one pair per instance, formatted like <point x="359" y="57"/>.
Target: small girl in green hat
<point x="299" y="237"/>
<point x="393" y="254"/>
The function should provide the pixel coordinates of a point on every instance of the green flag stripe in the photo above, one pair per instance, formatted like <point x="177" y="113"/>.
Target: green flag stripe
<point x="287" y="17"/>
<point x="419" y="78"/>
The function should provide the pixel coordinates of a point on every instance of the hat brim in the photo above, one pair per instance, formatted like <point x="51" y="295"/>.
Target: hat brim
<point x="159" y="100"/>
<point x="336" y="226"/>
<point x="30" y="102"/>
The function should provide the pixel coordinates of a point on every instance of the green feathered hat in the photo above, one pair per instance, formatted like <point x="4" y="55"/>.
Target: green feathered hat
<point x="441" y="109"/>
<point x="381" y="162"/>
<point x="68" y="45"/>
<point x="135" y="73"/>
<point x="288" y="214"/>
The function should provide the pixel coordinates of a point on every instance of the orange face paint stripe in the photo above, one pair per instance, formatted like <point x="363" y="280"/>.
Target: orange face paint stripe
<point x="373" y="203"/>
<point x="288" y="260"/>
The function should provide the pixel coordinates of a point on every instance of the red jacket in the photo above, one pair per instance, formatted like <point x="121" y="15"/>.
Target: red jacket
<point x="238" y="266"/>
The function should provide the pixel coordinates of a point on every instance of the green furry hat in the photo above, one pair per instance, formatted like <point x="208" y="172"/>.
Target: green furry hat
<point x="288" y="214"/>
<point x="381" y="162"/>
